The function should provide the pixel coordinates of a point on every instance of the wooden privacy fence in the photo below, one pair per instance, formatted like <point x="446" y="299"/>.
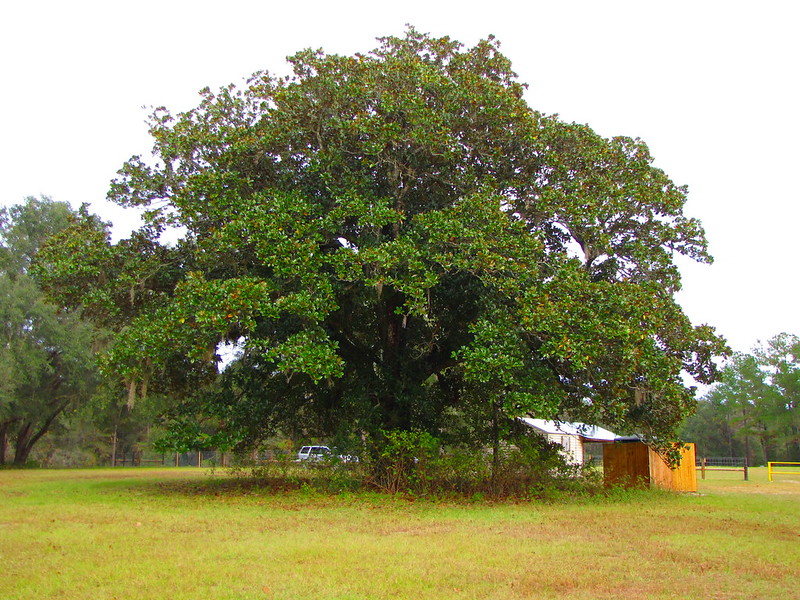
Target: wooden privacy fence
<point x="771" y="470"/>
<point x="634" y="464"/>
<point x="722" y="463"/>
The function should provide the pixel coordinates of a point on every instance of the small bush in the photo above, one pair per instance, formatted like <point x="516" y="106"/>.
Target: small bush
<point x="403" y="461"/>
<point x="415" y="463"/>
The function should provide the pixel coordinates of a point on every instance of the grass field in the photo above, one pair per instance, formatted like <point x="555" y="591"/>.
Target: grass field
<point x="186" y="534"/>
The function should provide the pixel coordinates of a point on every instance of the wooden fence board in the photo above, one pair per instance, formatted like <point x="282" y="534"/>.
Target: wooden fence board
<point x="633" y="463"/>
<point x="626" y="464"/>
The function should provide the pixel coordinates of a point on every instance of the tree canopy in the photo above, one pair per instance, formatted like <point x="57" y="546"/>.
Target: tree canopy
<point x="393" y="240"/>
<point x="46" y="359"/>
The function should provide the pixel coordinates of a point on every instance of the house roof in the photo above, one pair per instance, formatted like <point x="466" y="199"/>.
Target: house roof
<point x="591" y="433"/>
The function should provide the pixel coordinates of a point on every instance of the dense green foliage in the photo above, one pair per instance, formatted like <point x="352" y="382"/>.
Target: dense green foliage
<point x="46" y="360"/>
<point x="393" y="241"/>
<point x="753" y="411"/>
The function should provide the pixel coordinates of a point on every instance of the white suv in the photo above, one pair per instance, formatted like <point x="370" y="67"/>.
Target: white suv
<point x="322" y="453"/>
<point x="314" y="453"/>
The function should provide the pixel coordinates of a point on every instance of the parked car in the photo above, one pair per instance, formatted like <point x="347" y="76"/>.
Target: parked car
<point x="322" y="453"/>
<point x="315" y="453"/>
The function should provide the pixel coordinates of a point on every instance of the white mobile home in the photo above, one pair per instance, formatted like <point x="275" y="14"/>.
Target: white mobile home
<point x="573" y="437"/>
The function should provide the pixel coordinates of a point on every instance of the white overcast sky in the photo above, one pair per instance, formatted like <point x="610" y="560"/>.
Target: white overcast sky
<point x="712" y="87"/>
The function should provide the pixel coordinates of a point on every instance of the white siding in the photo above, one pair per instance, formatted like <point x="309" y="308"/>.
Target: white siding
<point x="572" y="447"/>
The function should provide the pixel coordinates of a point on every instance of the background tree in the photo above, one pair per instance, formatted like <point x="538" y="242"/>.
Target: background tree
<point x="714" y="429"/>
<point x="753" y="411"/>
<point x="780" y="357"/>
<point x="386" y="238"/>
<point x="46" y="356"/>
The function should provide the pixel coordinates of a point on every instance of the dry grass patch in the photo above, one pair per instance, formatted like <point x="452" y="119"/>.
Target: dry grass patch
<point x="151" y="533"/>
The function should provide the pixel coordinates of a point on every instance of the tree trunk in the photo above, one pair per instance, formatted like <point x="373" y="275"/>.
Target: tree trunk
<point x="729" y="434"/>
<point x="27" y="437"/>
<point x="794" y="444"/>
<point x="495" y="444"/>
<point x="747" y="450"/>
<point x="114" y="448"/>
<point x="4" y="441"/>
<point x="23" y="445"/>
<point x="396" y="413"/>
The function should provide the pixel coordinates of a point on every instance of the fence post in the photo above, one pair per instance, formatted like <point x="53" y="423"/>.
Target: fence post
<point x="769" y="471"/>
<point x="745" y="469"/>
<point x="703" y="467"/>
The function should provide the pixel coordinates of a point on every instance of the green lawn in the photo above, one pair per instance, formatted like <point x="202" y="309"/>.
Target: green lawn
<point x="180" y="533"/>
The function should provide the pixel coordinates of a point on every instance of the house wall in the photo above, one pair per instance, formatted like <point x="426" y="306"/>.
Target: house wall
<point x="572" y="446"/>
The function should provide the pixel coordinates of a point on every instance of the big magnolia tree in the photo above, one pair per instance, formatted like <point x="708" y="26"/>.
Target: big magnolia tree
<point x="394" y="240"/>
